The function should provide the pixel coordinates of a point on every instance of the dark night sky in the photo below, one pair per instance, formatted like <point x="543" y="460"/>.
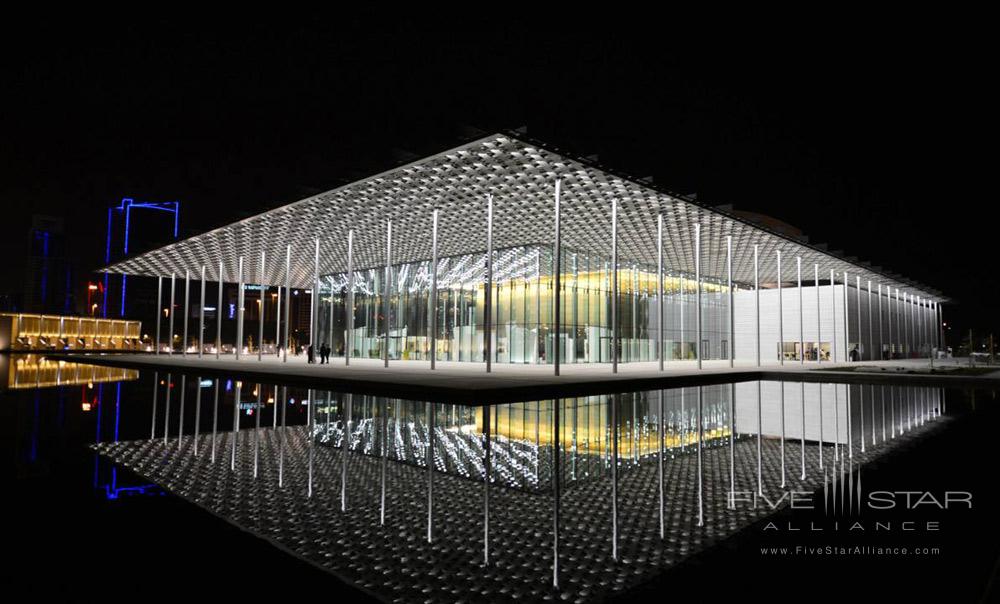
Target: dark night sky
<point x="870" y="141"/>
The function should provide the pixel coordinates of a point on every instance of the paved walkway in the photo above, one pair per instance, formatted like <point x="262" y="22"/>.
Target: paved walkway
<point x="469" y="382"/>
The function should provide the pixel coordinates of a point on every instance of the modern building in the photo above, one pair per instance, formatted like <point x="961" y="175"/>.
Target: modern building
<point x="505" y="251"/>
<point x="20" y="332"/>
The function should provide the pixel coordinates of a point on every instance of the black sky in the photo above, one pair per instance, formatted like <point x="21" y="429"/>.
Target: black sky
<point x="875" y="140"/>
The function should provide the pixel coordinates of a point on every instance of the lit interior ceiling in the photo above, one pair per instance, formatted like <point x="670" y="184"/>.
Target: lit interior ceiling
<point x="521" y="177"/>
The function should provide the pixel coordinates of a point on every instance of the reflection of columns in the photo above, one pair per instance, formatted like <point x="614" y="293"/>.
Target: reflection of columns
<point x="732" y="445"/>
<point x="756" y="304"/>
<point x="310" y="434"/>
<point x="215" y="417"/>
<point x="170" y="313"/>
<point x="781" y="325"/>
<point x="433" y="302"/>
<point x="613" y="401"/>
<point x="614" y="304"/>
<point x="260" y="310"/>
<point x="283" y="401"/>
<point x="201" y="319"/>
<point x="256" y="429"/>
<point x="345" y="448"/>
<point x="659" y="461"/>
<point x="556" y="404"/>
<point x="239" y="308"/>
<point x="429" y="420"/>
<point x="701" y="481"/>
<point x="760" y="425"/>
<point x="384" y="454"/>
<point x="218" y="317"/>
<point x="180" y="417"/>
<point x="802" y="446"/>
<point x="697" y="276"/>
<point x="156" y="386"/>
<point x="659" y="317"/>
<point x="487" y="476"/>
<point x="166" y="411"/>
<point x="732" y="310"/>
<point x="187" y="311"/>
<point x="802" y="338"/>
<point x="557" y="327"/>
<point x="488" y="292"/>
<point x="159" y="304"/>
<point x="386" y="288"/>
<point x="236" y="426"/>
<point x="782" y="434"/>
<point x="820" y="392"/>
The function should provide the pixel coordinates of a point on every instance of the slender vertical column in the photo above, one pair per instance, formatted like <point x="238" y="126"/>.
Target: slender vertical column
<point x="349" y="302"/>
<point x="857" y="279"/>
<point x="277" y="324"/>
<point x="614" y="299"/>
<point x="386" y="288"/>
<point x="781" y="320"/>
<point x="201" y="317"/>
<point x="888" y="312"/>
<point x="239" y="308"/>
<point x="613" y="399"/>
<point x="833" y="311"/>
<point x="802" y="337"/>
<point x="288" y="302"/>
<point x="659" y="298"/>
<point x="329" y="319"/>
<point x="314" y="305"/>
<point x="556" y="478"/>
<point x="488" y="291"/>
<point x="218" y="317"/>
<point x="871" y="336"/>
<point x="819" y="322"/>
<point x="732" y="309"/>
<point x="156" y="387"/>
<point x="881" y="333"/>
<point x="756" y="304"/>
<point x="434" y="287"/>
<point x="847" y="323"/>
<point x="697" y="276"/>
<point x="260" y="317"/>
<point x="557" y="309"/>
<point x="487" y="477"/>
<point x="159" y="305"/>
<point x="906" y="330"/>
<point x="187" y="310"/>
<point x="429" y="420"/>
<point x="170" y="313"/>
<point x="236" y="426"/>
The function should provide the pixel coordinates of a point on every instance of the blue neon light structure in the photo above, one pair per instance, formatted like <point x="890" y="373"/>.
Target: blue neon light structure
<point x="125" y="208"/>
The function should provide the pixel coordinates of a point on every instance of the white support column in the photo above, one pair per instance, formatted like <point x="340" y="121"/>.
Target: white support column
<point x="386" y="289"/>
<point x="871" y="337"/>
<point x="802" y="339"/>
<point x="218" y="316"/>
<point x="314" y="307"/>
<point x="697" y="277"/>
<point x="659" y="296"/>
<point x="732" y="310"/>
<point x="488" y="291"/>
<point x="239" y="309"/>
<point x="349" y="302"/>
<point x="756" y="305"/>
<point x="833" y="310"/>
<point x="159" y="319"/>
<point x="170" y="313"/>
<point x="277" y="323"/>
<point x="260" y="311"/>
<point x="556" y="315"/>
<point x="614" y="287"/>
<point x="201" y="322"/>
<point x="781" y="314"/>
<point x="187" y="309"/>
<point x="433" y="302"/>
<point x="819" y="329"/>
<point x="881" y="332"/>
<point x="847" y="322"/>
<point x="857" y="279"/>
<point x="288" y="301"/>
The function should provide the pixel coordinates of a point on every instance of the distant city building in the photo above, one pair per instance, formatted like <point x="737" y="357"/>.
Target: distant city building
<point x="49" y="276"/>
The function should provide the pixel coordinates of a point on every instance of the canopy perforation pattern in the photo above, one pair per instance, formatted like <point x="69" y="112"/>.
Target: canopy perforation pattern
<point x="521" y="178"/>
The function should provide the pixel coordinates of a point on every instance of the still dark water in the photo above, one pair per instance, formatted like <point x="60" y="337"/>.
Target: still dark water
<point x="78" y="528"/>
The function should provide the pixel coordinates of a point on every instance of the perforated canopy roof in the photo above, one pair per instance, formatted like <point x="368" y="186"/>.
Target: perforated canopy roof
<point x="521" y="177"/>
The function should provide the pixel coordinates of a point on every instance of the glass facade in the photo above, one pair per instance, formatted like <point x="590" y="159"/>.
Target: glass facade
<point x="522" y="329"/>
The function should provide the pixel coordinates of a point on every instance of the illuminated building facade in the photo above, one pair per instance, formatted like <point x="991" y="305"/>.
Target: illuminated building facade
<point x="21" y="332"/>
<point x="504" y="251"/>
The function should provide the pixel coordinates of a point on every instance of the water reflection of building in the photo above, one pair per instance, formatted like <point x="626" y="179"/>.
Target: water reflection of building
<point x="28" y="371"/>
<point x="523" y="433"/>
<point x="23" y="332"/>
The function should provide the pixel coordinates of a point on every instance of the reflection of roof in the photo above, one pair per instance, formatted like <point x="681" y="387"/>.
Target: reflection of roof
<point x="521" y="177"/>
